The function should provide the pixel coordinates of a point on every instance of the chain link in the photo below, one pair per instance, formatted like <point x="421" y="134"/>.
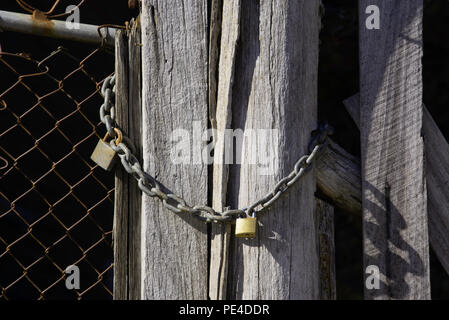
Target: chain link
<point x="178" y="205"/>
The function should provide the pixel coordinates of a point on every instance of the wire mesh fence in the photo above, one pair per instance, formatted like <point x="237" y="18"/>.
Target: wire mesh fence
<point x="52" y="7"/>
<point x="56" y="205"/>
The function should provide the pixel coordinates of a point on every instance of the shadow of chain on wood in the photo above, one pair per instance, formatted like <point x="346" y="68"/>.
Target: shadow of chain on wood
<point x="400" y="255"/>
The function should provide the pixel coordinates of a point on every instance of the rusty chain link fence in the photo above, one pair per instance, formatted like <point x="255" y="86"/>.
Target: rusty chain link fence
<point x="53" y="5"/>
<point x="56" y="205"/>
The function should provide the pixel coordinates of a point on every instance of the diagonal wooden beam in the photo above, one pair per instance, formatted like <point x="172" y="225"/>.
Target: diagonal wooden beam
<point x="338" y="179"/>
<point x="437" y="174"/>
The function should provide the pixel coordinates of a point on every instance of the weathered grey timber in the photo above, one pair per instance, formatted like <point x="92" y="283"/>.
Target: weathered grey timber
<point x="174" y="94"/>
<point x="275" y="87"/>
<point x="393" y="172"/>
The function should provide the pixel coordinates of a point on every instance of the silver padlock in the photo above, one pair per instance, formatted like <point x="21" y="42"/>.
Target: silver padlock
<point x="103" y="154"/>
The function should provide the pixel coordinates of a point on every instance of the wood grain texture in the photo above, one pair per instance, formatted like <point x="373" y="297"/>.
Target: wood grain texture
<point x="221" y="117"/>
<point x="127" y="193"/>
<point x="135" y="134"/>
<point x="174" y="93"/>
<point x="275" y="88"/>
<point x="215" y="21"/>
<point x="437" y="174"/>
<point x="437" y="165"/>
<point x="324" y="220"/>
<point x="393" y="173"/>
<point x="338" y="178"/>
<point x="121" y="198"/>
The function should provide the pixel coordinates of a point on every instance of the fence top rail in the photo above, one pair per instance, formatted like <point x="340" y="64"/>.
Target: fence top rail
<point x="30" y="24"/>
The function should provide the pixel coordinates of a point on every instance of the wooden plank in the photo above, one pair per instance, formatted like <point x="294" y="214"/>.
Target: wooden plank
<point x="221" y="119"/>
<point x="275" y="87"/>
<point x="437" y="174"/>
<point x="135" y="134"/>
<point x="437" y="165"/>
<point x="324" y="214"/>
<point x="393" y="175"/>
<point x="120" y="225"/>
<point x="174" y="94"/>
<point x="338" y="178"/>
<point x="216" y="10"/>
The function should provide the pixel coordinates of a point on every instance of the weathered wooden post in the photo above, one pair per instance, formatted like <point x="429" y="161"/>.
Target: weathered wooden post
<point x="393" y="172"/>
<point x="437" y="175"/>
<point x="121" y="177"/>
<point x="225" y="21"/>
<point x="175" y="82"/>
<point x="128" y="199"/>
<point x="324" y="225"/>
<point x="268" y="81"/>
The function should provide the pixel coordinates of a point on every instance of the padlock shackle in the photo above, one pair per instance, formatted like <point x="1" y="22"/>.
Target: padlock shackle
<point x="119" y="138"/>
<point x="250" y="212"/>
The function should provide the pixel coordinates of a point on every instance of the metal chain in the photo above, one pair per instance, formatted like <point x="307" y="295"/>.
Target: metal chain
<point x="178" y="205"/>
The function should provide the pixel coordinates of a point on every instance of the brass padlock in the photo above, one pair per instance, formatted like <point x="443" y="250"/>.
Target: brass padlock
<point x="246" y="227"/>
<point x="103" y="154"/>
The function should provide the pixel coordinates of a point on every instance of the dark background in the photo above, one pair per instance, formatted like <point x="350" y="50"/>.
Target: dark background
<point x="338" y="79"/>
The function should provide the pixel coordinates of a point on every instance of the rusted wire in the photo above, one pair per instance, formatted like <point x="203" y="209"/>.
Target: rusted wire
<point x="30" y="9"/>
<point x="103" y="38"/>
<point x="108" y="25"/>
<point x="25" y="6"/>
<point x="5" y="163"/>
<point x="52" y="195"/>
